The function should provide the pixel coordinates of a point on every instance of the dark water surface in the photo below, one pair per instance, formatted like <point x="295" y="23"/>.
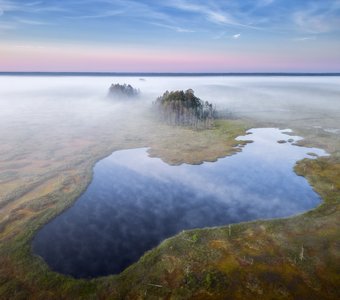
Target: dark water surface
<point x="134" y="202"/>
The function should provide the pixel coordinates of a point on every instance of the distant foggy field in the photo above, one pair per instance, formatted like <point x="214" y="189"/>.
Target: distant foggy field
<point x="60" y="101"/>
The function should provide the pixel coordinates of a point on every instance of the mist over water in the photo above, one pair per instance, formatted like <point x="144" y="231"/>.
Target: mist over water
<point x="47" y="118"/>
<point x="134" y="202"/>
<point x="43" y="99"/>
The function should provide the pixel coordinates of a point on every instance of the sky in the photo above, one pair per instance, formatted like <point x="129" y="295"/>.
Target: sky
<point x="170" y="36"/>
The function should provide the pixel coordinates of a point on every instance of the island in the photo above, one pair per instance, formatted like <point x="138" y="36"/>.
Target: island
<point x="184" y="108"/>
<point x="123" y="91"/>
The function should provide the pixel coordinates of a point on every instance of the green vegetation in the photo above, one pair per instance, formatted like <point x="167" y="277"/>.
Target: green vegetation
<point x="177" y="145"/>
<point x="195" y="237"/>
<point x="184" y="108"/>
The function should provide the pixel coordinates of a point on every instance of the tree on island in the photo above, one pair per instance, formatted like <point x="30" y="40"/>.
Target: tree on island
<point x="120" y="91"/>
<point x="184" y="108"/>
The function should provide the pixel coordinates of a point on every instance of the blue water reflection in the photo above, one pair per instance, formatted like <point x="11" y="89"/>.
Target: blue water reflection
<point x="134" y="202"/>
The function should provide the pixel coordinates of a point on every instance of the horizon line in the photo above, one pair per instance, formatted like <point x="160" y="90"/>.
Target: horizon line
<point x="87" y="73"/>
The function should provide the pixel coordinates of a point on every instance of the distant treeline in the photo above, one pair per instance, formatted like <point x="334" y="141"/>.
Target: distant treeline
<point x="184" y="108"/>
<point x="123" y="91"/>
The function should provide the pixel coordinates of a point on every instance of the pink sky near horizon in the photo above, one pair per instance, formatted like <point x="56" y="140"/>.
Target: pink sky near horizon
<point x="77" y="58"/>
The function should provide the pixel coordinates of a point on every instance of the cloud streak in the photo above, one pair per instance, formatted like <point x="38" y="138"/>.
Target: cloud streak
<point x="105" y="14"/>
<point x="174" y="28"/>
<point x="31" y="22"/>
<point x="317" y="18"/>
<point x="213" y="15"/>
<point x="306" y="38"/>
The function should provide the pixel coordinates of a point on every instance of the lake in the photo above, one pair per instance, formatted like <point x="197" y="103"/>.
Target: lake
<point x="134" y="202"/>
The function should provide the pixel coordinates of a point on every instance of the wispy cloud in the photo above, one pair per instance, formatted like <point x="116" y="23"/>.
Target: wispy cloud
<point x="175" y="28"/>
<point x="31" y="22"/>
<point x="136" y="11"/>
<point x="219" y="18"/>
<point x="7" y="6"/>
<point x="306" y="38"/>
<point x="104" y="14"/>
<point x="141" y="21"/>
<point x="318" y="18"/>
<point x="212" y="15"/>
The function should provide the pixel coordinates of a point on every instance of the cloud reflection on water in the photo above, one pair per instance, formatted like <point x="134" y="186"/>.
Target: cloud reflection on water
<point x="134" y="202"/>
